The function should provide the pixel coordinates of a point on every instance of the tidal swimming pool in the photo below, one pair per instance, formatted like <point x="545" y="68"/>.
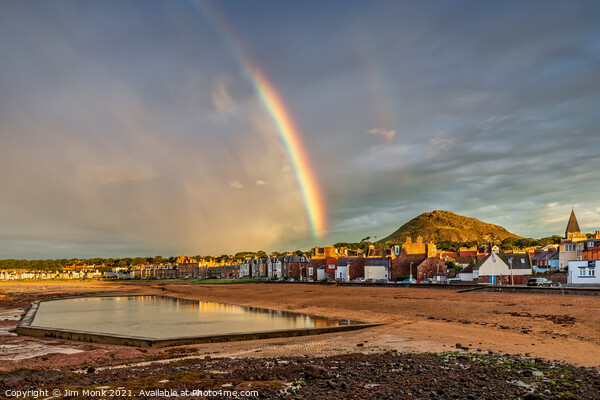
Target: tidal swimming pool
<point x="167" y="320"/>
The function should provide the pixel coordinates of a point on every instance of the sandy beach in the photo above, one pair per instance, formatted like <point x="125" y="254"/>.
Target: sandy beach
<point x="551" y="327"/>
<point x="553" y="330"/>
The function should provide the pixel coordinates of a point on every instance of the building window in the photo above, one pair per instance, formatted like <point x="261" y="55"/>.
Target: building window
<point x="591" y="271"/>
<point x="310" y="271"/>
<point x="581" y="271"/>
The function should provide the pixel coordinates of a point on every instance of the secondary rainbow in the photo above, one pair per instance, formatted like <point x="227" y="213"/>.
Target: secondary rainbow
<point x="287" y="129"/>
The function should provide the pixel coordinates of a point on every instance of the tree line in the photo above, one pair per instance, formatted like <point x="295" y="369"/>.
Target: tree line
<point x="59" y="264"/>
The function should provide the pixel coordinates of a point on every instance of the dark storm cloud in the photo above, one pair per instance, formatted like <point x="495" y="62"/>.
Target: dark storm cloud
<point x="131" y="128"/>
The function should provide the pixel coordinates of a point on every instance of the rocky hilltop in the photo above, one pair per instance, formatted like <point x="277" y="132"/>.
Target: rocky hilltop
<point x="438" y="226"/>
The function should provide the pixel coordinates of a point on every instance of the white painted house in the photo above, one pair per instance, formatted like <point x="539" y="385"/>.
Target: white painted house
<point x="377" y="268"/>
<point x="341" y="272"/>
<point x="274" y="267"/>
<point x="245" y="269"/>
<point x="466" y="274"/>
<point x="320" y="273"/>
<point x="584" y="272"/>
<point x="503" y="264"/>
<point x="343" y="266"/>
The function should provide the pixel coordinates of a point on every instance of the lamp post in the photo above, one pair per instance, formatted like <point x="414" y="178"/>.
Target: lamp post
<point x="493" y="277"/>
<point x="411" y="263"/>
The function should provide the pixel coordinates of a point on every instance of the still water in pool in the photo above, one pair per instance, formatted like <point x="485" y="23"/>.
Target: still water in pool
<point x="161" y="317"/>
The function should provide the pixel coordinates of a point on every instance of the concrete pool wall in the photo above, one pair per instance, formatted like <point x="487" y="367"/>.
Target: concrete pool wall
<point x="27" y="328"/>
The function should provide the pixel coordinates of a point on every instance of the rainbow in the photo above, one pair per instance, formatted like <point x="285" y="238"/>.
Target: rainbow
<point x="291" y="138"/>
<point x="287" y="130"/>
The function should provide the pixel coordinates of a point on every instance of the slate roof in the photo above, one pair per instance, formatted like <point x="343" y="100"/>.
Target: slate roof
<point x="433" y="262"/>
<point x="343" y="261"/>
<point x="595" y="243"/>
<point x="295" y="258"/>
<point x="517" y="260"/>
<point x="544" y="256"/>
<point x="572" y="226"/>
<point x="381" y="261"/>
<point x="467" y="270"/>
<point x="538" y="256"/>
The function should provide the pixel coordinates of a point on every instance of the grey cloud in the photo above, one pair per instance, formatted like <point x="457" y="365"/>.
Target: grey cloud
<point x="113" y="139"/>
<point x="386" y="133"/>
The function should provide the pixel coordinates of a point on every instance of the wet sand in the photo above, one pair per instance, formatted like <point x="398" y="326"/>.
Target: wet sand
<point x="551" y="327"/>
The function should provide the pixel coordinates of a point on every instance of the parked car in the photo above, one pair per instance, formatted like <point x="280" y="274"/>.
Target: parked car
<point x="384" y="280"/>
<point x="307" y="279"/>
<point x="428" y="280"/>
<point x="358" y="280"/>
<point x="539" y="282"/>
<point x="370" y="280"/>
<point x="290" y="280"/>
<point x="408" y="280"/>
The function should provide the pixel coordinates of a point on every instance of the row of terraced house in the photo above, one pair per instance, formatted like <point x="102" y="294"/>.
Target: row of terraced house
<point x="417" y="259"/>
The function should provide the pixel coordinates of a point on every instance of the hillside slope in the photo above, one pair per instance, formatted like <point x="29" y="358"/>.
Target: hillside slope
<point x="440" y="226"/>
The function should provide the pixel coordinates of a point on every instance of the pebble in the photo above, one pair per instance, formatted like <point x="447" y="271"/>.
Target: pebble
<point x="356" y="376"/>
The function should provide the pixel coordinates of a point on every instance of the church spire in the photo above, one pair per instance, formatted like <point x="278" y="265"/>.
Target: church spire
<point x="572" y="226"/>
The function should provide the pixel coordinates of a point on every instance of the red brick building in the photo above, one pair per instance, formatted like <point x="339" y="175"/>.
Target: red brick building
<point x="295" y="266"/>
<point x="312" y="266"/>
<point x="356" y="269"/>
<point x="330" y="266"/>
<point x="593" y="253"/>
<point x="401" y="265"/>
<point x="431" y="267"/>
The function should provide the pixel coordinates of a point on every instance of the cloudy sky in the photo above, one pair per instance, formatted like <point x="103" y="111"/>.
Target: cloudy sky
<point x="134" y="128"/>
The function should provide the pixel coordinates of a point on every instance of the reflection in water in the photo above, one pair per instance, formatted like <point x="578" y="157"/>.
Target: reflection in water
<point x="166" y="317"/>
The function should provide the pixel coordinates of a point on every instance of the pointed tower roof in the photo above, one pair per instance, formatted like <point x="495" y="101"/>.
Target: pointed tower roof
<point x="572" y="226"/>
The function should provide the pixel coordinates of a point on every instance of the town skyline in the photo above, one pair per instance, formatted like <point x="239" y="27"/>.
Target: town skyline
<point x="364" y="243"/>
<point x="140" y="128"/>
